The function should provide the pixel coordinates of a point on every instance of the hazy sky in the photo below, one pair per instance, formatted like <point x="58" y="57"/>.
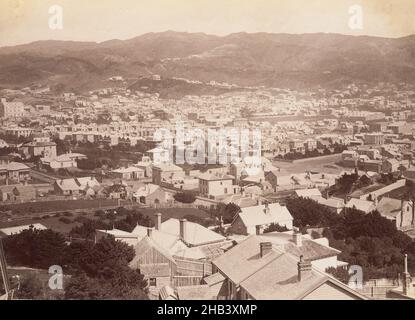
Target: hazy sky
<point x="23" y="21"/>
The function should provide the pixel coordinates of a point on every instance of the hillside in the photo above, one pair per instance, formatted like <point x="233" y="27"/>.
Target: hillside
<point x="275" y="60"/>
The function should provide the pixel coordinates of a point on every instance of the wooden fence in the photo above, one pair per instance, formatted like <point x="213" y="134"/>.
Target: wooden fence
<point x="182" y="281"/>
<point x="379" y="288"/>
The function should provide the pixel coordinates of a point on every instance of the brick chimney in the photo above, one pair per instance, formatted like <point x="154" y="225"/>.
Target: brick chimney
<point x="265" y="248"/>
<point x="158" y="221"/>
<point x="298" y="238"/>
<point x="149" y="232"/>
<point x="258" y="230"/>
<point x="304" y="269"/>
<point x="183" y="234"/>
<point x="266" y="208"/>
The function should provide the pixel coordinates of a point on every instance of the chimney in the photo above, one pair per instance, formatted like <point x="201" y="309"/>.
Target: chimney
<point x="304" y="269"/>
<point x="149" y="232"/>
<point x="266" y="208"/>
<point x="298" y="238"/>
<point x="265" y="248"/>
<point x="258" y="230"/>
<point x="406" y="278"/>
<point x="158" y="221"/>
<point x="183" y="235"/>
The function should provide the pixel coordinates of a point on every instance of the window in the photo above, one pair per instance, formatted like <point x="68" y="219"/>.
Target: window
<point x="152" y="282"/>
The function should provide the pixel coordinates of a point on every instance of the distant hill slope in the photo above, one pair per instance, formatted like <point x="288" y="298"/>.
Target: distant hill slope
<point x="276" y="60"/>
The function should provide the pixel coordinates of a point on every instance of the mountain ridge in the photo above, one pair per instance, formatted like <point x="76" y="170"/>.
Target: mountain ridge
<point x="246" y="59"/>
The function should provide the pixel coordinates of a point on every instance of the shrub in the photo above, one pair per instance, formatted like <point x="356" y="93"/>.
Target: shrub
<point x="65" y="220"/>
<point x="275" y="227"/>
<point x="185" y="197"/>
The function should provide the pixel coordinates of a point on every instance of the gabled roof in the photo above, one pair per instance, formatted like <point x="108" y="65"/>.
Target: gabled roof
<point x="278" y="280"/>
<point x="196" y="234"/>
<point x="215" y="177"/>
<point x="307" y="193"/>
<point x="240" y="200"/>
<point x="168" y="167"/>
<point x="164" y="240"/>
<point x="146" y="244"/>
<point x="257" y="215"/>
<point x="331" y="202"/>
<point x="243" y="260"/>
<point x="146" y="190"/>
<point x="311" y="250"/>
<point x="68" y="185"/>
<point x="273" y="276"/>
<point x="88" y="182"/>
<point x="128" y="170"/>
<point x="14" y="166"/>
<point x="362" y="205"/>
<point x="389" y="207"/>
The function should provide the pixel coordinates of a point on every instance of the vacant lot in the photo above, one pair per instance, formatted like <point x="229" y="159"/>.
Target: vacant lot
<point x="177" y="213"/>
<point x="28" y="208"/>
<point x="319" y="164"/>
<point x="54" y="221"/>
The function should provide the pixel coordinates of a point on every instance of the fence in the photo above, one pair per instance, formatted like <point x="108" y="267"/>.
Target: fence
<point x="379" y="288"/>
<point x="182" y="281"/>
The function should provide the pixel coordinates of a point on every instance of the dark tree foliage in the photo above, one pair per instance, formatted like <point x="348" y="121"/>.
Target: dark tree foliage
<point x="275" y="227"/>
<point x="30" y="288"/>
<point x="82" y="287"/>
<point x="185" y="197"/>
<point x="368" y="240"/>
<point x="309" y="213"/>
<point x="35" y="248"/>
<point x="102" y="272"/>
<point x="225" y="211"/>
<point x="196" y="219"/>
<point x="132" y="218"/>
<point x="346" y="182"/>
<point x="99" y="271"/>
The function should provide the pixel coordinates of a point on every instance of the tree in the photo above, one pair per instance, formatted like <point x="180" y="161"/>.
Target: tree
<point x="35" y="248"/>
<point x="82" y="287"/>
<point x="309" y="213"/>
<point x="102" y="271"/>
<point x="226" y="212"/>
<point x="185" y="197"/>
<point x="30" y="288"/>
<point x="99" y="271"/>
<point x="275" y="227"/>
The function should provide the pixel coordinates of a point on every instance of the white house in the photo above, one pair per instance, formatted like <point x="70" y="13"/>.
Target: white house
<point x="253" y="220"/>
<point x="216" y="185"/>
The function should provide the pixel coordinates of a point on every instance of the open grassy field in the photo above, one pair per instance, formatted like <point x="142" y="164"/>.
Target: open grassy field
<point x="54" y="221"/>
<point x="319" y="164"/>
<point x="56" y="206"/>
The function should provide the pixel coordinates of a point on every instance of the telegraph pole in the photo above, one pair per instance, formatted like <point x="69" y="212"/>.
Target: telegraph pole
<point x="4" y="274"/>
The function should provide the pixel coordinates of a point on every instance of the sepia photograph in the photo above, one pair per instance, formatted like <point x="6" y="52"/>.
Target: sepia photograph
<point x="226" y="152"/>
